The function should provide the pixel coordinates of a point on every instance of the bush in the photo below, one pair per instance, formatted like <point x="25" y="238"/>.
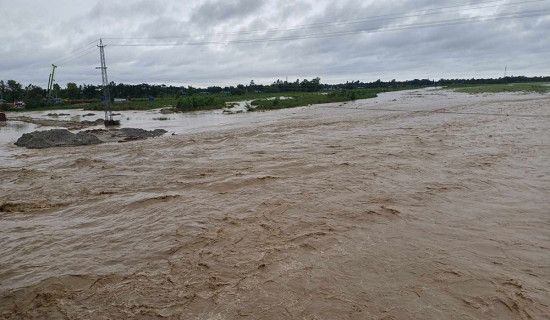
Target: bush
<point x="35" y="103"/>
<point x="194" y="103"/>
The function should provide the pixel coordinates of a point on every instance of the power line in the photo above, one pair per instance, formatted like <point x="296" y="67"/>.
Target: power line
<point x="187" y="81"/>
<point x="392" y="16"/>
<point x="79" y="56"/>
<point x="520" y="14"/>
<point x="80" y="49"/>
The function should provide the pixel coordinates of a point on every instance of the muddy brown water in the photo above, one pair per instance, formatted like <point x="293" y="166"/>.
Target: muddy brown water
<point x="323" y="212"/>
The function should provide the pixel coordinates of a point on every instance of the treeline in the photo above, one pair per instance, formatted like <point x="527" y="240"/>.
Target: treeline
<point x="33" y="95"/>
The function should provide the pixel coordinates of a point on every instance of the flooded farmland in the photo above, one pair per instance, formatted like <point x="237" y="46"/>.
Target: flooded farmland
<point x="422" y="204"/>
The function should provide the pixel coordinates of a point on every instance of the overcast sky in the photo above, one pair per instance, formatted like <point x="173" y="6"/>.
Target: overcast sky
<point x="37" y="33"/>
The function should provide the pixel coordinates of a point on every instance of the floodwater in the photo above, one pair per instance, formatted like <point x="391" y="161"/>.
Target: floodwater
<point x="415" y="205"/>
<point x="177" y="123"/>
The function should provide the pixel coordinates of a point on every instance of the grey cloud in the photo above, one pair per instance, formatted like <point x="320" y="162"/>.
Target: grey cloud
<point x="213" y="12"/>
<point x="466" y="50"/>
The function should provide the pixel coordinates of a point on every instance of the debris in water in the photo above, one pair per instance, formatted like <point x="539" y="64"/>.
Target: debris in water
<point x="57" y="114"/>
<point x="167" y="110"/>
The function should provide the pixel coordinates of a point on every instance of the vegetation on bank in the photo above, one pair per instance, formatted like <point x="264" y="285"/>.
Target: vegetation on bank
<point x="497" y="88"/>
<point x="300" y="99"/>
<point x="183" y="99"/>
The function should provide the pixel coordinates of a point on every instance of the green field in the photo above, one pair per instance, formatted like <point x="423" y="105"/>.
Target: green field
<point x="496" y="88"/>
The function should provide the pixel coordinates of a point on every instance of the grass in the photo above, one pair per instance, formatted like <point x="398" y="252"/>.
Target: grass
<point x="496" y="88"/>
<point x="305" y="99"/>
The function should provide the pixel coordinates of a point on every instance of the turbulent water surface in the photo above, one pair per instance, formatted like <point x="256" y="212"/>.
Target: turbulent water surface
<point x="414" y="205"/>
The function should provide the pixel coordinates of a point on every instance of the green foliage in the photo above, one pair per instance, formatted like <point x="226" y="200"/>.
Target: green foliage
<point x="195" y="103"/>
<point x="496" y="88"/>
<point x="73" y="92"/>
<point x="304" y="99"/>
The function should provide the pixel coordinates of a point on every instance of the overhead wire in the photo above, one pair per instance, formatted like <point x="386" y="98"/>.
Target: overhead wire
<point x="75" y="52"/>
<point x="342" y="22"/>
<point x="76" y="57"/>
<point x="519" y="14"/>
<point x="86" y="50"/>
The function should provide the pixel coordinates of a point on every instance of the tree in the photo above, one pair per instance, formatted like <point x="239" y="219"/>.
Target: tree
<point x="34" y="96"/>
<point x="2" y="89"/>
<point x="15" y="89"/>
<point x="56" y="89"/>
<point x="72" y="91"/>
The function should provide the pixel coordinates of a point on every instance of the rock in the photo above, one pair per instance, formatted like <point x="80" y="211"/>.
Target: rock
<point x="167" y="110"/>
<point x="56" y="138"/>
<point x="88" y="114"/>
<point x="3" y="117"/>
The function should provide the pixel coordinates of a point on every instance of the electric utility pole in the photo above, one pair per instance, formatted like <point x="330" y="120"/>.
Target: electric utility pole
<point x="106" y="96"/>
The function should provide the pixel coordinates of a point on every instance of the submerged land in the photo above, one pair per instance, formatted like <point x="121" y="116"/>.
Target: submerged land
<point x="425" y="204"/>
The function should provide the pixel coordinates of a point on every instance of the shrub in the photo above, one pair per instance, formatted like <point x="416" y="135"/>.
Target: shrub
<point x="194" y="103"/>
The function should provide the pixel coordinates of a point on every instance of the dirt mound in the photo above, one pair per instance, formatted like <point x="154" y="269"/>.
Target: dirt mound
<point x="140" y="133"/>
<point x="65" y="138"/>
<point x="56" y="138"/>
<point x="125" y="134"/>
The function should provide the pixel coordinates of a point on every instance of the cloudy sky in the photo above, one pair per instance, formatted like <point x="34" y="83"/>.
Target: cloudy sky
<point x="227" y="42"/>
